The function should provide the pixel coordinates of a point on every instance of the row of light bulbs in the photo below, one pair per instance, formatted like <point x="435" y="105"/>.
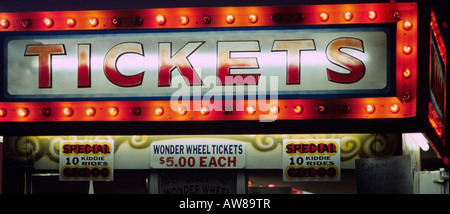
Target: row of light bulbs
<point x="159" y="111"/>
<point x="184" y="20"/>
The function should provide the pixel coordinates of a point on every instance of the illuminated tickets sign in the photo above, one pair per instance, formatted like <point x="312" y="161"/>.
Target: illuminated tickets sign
<point x="82" y="160"/>
<point x="294" y="63"/>
<point x="311" y="160"/>
<point x="266" y="63"/>
<point x="197" y="155"/>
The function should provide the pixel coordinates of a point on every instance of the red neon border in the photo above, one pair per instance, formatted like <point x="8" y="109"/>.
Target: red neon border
<point x="436" y="123"/>
<point x="403" y="105"/>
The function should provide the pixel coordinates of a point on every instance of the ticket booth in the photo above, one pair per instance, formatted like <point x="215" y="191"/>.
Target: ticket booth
<point x="219" y="99"/>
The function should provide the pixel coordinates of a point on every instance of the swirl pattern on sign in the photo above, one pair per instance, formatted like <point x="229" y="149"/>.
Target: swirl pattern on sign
<point x="28" y="149"/>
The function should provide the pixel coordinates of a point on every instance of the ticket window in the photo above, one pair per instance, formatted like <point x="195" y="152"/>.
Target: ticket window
<point x="201" y="182"/>
<point x="125" y="182"/>
<point x="48" y="183"/>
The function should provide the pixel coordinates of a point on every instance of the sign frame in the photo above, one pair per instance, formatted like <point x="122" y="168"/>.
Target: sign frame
<point x="436" y="124"/>
<point x="402" y="108"/>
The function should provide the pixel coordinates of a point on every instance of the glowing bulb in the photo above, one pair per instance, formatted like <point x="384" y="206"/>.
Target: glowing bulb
<point x="182" y="110"/>
<point x="395" y="108"/>
<point x="406" y="97"/>
<point x="407" y="49"/>
<point x="113" y="111"/>
<point x="159" y="111"/>
<point x="71" y="22"/>
<point x="160" y="19"/>
<point x="253" y="18"/>
<point x="184" y="20"/>
<point x="93" y="22"/>
<point x="4" y="23"/>
<point x="2" y="112"/>
<point x="407" y="25"/>
<point x="396" y="15"/>
<point x="298" y="109"/>
<point x="68" y="111"/>
<point x="48" y="22"/>
<point x="348" y="16"/>
<point x="370" y="108"/>
<point x="251" y="110"/>
<point x="407" y="73"/>
<point x="324" y="17"/>
<point x="372" y="15"/>
<point x="204" y="110"/>
<point x="23" y="112"/>
<point x="321" y="108"/>
<point x="230" y="19"/>
<point x="115" y="21"/>
<point x="90" y="112"/>
<point x="274" y="109"/>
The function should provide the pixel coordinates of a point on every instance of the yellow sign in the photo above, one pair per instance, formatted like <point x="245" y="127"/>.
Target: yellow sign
<point x="311" y="160"/>
<point x="86" y="160"/>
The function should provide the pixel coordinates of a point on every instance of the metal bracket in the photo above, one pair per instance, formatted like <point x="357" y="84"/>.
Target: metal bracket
<point x="443" y="176"/>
